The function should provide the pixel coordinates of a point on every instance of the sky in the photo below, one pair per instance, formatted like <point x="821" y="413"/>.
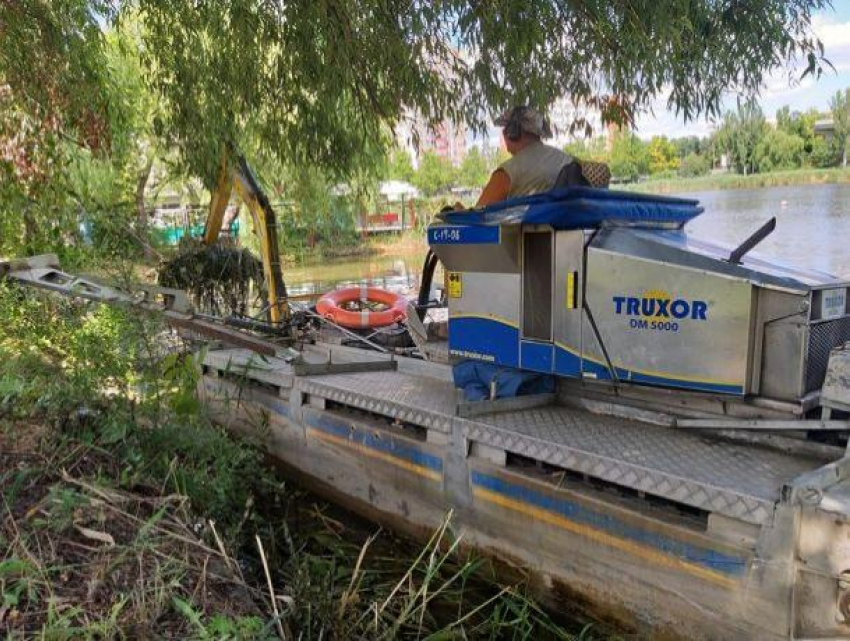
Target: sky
<point x="832" y="27"/>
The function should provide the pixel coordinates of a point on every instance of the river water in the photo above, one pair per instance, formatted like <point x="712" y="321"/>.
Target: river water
<point x="813" y="231"/>
<point x="812" y="223"/>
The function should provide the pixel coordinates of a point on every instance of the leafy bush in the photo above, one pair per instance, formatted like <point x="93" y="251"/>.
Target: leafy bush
<point x="662" y="155"/>
<point x="629" y="157"/>
<point x="778" y="150"/>
<point x="694" y="164"/>
<point x="824" y="153"/>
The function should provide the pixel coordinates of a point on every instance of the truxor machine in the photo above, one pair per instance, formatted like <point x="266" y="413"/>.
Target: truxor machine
<point x="606" y="286"/>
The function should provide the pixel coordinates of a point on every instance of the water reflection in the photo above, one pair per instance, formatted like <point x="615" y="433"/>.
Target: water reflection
<point x="813" y="231"/>
<point x="813" y="223"/>
<point x="394" y="273"/>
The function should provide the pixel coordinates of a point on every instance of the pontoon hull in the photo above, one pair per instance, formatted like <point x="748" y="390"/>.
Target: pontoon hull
<point x="649" y="565"/>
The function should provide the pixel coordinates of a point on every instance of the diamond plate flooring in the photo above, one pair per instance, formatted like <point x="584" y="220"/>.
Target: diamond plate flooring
<point x="419" y="400"/>
<point x="735" y="479"/>
<point x="739" y="480"/>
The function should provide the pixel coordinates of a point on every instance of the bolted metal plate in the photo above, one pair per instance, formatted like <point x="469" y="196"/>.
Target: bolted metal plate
<point x="738" y="480"/>
<point x="419" y="400"/>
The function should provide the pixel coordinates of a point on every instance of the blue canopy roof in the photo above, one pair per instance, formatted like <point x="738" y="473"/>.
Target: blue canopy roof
<point x="581" y="208"/>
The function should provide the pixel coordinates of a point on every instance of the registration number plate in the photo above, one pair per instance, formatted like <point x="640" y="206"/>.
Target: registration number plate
<point x="833" y="303"/>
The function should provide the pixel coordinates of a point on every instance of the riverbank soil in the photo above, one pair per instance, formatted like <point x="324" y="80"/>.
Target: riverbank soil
<point x="83" y="557"/>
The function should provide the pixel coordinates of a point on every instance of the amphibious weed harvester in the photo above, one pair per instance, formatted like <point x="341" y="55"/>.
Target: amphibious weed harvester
<point x="605" y="288"/>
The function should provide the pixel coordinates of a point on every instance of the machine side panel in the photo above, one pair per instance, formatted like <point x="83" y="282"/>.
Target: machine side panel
<point x="467" y="248"/>
<point x="537" y="356"/>
<point x="668" y="324"/>
<point x="484" y="319"/>
<point x="567" y="301"/>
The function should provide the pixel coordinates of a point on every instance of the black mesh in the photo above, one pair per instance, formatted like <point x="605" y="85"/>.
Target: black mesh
<point x="822" y="338"/>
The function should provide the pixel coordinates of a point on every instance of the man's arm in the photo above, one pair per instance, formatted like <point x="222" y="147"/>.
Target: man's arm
<point x="496" y="189"/>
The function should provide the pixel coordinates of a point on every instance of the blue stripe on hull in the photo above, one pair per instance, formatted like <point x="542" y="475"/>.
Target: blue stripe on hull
<point x="484" y="339"/>
<point x="497" y="342"/>
<point x="537" y="357"/>
<point x="381" y="442"/>
<point x="706" y="557"/>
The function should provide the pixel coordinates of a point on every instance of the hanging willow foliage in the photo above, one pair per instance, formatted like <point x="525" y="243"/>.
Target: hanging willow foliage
<point x="220" y="279"/>
<point x="320" y="82"/>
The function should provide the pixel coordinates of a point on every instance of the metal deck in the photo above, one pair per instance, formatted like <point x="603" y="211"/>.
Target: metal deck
<point x="738" y="480"/>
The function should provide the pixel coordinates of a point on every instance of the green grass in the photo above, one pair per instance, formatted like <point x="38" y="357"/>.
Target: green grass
<point x="125" y="513"/>
<point x="737" y="181"/>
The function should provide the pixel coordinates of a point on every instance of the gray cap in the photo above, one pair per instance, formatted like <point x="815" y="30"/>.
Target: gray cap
<point x="530" y="120"/>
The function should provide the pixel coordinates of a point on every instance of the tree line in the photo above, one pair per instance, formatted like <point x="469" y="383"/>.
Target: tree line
<point x="744" y="142"/>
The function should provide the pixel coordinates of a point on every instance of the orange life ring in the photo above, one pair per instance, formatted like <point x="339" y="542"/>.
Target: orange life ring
<point x="332" y="306"/>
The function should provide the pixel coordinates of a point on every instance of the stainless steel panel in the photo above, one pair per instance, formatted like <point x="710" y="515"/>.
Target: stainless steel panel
<point x="495" y="296"/>
<point x="752" y="335"/>
<point x="774" y="306"/>
<point x="537" y="265"/>
<point x="791" y="350"/>
<point x="569" y="258"/>
<point x="698" y="337"/>
<point x="676" y="247"/>
<point x="783" y="357"/>
<point x="592" y="356"/>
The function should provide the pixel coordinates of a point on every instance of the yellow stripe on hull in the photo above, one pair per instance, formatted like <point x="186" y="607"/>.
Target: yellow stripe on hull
<point x="687" y="378"/>
<point x="377" y="454"/>
<point x="490" y="317"/>
<point x="635" y="549"/>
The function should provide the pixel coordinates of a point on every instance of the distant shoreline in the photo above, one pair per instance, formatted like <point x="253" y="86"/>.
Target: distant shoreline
<point x="714" y="182"/>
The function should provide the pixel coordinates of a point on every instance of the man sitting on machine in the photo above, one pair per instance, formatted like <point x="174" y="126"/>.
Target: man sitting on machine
<point x="534" y="166"/>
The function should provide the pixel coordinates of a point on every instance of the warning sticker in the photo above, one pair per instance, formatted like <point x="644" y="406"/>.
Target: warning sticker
<point x="455" y="285"/>
<point x="572" y="298"/>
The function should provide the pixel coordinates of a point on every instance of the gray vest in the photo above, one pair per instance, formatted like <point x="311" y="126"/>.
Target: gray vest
<point x="534" y="169"/>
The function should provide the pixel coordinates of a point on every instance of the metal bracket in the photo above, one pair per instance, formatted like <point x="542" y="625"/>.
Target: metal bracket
<point x="417" y="330"/>
<point x="163" y="299"/>
<point x="300" y="367"/>
<point x="809" y="488"/>
<point x="515" y="403"/>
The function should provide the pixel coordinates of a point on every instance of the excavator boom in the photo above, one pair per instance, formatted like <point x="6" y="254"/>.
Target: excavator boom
<point x="239" y="177"/>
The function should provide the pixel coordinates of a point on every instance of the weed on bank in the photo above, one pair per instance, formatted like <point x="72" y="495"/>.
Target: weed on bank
<point x="125" y="513"/>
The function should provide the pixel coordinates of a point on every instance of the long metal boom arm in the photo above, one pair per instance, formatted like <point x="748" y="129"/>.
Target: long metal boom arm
<point x="240" y="177"/>
<point x="44" y="272"/>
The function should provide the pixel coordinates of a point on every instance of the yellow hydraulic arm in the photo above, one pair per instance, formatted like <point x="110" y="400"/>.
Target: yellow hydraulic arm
<point x="241" y="178"/>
